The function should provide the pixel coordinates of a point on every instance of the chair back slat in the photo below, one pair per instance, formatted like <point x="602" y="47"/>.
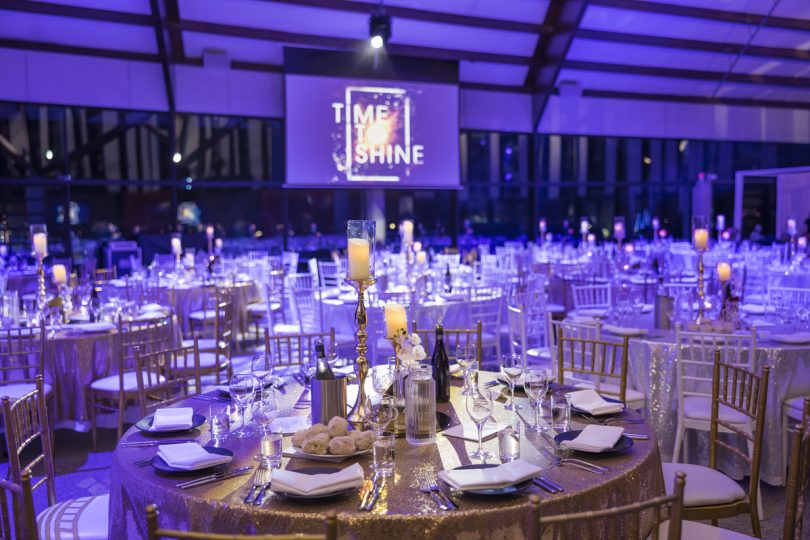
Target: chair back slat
<point x="453" y="338"/>
<point x="296" y="349"/>
<point x="22" y="353"/>
<point x="589" y="362"/>
<point x="167" y="376"/>
<point x="799" y="477"/>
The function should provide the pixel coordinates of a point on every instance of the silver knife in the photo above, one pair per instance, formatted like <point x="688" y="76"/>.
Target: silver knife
<point x="637" y="436"/>
<point x="367" y="495"/>
<point x="153" y="443"/>
<point x="214" y="478"/>
<point x="545" y="487"/>
<point x="376" y="495"/>
<point x="555" y="485"/>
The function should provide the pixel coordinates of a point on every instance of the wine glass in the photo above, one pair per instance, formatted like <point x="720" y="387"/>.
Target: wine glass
<point x="382" y="377"/>
<point x="241" y="389"/>
<point x="535" y="382"/>
<point x="512" y="369"/>
<point x="380" y="413"/>
<point x="262" y="368"/>
<point x="265" y="412"/>
<point x="466" y="358"/>
<point x="479" y="407"/>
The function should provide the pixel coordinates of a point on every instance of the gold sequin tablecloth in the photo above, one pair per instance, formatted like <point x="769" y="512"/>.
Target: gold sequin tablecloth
<point x="402" y="511"/>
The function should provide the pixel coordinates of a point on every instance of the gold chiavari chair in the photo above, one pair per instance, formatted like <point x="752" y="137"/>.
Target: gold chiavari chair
<point x="156" y="533"/>
<point x="26" y="432"/>
<point x="796" y="409"/>
<point x="22" y="358"/>
<point x="114" y="392"/>
<point x="295" y="349"/>
<point x="215" y="352"/>
<point x="166" y="376"/>
<point x="453" y="338"/>
<point x="23" y="521"/>
<point x="105" y="274"/>
<point x="591" y="363"/>
<point x="712" y="494"/>
<point x="653" y="519"/>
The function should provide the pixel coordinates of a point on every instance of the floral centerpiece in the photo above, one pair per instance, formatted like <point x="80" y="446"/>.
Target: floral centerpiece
<point x="408" y="348"/>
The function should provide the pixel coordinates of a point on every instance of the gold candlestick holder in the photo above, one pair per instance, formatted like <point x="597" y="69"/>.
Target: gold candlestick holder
<point x="358" y="412"/>
<point x="398" y="426"/>
<point x="42" y="298"/>
<point x="701" y="317"/>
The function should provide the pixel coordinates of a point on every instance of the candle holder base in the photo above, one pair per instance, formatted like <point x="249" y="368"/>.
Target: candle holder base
<point x="357" y="414"/>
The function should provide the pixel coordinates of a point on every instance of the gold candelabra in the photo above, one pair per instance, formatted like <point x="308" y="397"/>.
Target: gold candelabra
<point x="358" y="411"/>
<point x="42" y="299"/>
<point x="398" y="392"/>
<point x="701" y="317"/>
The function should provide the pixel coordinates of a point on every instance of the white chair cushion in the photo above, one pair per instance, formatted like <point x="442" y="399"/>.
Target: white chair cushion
<point x="286" y="328"/>
<point x="793" y="407"/>
<point x="261" y="309"/>
<point x="209" y="360"/>
<point x="704" y="485"/>
<point x="693" y="530"/>
<point x="204" y="344"/>
<point x="700" y="408"/>
<point x="630" y="395"/>
<point x="110" y="383"/>
<point x="87" y="517"/>
<point x="17" y="390"/>
<point x="555" y="308"/>
<point x="203" y="315"/>
<point x="541" y="353"/>
<point x="757" y="298"/>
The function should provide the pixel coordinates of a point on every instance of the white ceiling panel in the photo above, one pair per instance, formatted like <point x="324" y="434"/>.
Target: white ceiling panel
<point x="246" y="50"/>
<point x="77" y="32"/>
<point x="772" y="66"/>
<point x="654" y="24"/>
<point x="747" y="91"/>
<point x="527" y="11"/>
<point x="643" y="84"/>
<point x="788" y="39"/>
<point x="465" y="38"/>
<point x="791" y="9"/>
<point x="588" y="50"/>
<point x="127" y="6"/>
<point x="488" y="72"/>
<point x="277" y="16"/>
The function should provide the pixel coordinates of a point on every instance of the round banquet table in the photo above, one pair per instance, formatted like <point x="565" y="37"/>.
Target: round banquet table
<point x="402" y="511"/>
<point x="652" y="368"/>
<point x="187" y="299"/>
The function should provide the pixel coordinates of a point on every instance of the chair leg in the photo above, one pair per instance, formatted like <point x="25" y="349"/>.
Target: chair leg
<point x="676" y="450"/>
<point x="121" y="408"/>
<point x="785" y="426"/>
<point x="93" y="434"/>
<point x="755" y="521"/>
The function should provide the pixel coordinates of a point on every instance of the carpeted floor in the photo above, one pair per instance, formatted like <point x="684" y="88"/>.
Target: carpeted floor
<point x="80" y="472"/>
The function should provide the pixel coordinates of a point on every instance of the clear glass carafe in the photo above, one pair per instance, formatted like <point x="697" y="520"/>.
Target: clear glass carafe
<point x="420" y="405"/>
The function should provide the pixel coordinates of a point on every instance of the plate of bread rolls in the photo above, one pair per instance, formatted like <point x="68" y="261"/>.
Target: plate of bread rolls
<point x="334" y="441"/>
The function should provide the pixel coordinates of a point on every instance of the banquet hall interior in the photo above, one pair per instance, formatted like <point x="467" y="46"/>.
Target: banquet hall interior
<point x="436" y="269"/>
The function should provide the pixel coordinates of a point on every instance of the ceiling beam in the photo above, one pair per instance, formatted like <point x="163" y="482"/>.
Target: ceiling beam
<point x="737" y="102"/>
<point x="163" y="53"/>
<point x="344" y="43"/>
<point x="716" y="76"/>
<point x="422" y="15"/>
<point x="564" y="17"/>
<point x="81" y="51"/>
<point x="705" y="13"/>
<point x="63" y="10"/>
<point x="175" y="37"/>
<point x="695" y="45"/>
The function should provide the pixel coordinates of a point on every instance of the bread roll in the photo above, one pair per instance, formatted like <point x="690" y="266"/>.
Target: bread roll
<point x="317" y="429"/>
<point x="316" y="445"/>
<point x="300" y="436"/>
<point x="362" y="439"/>
<point x="342" y="446"/>
<point x="338" y="427"/>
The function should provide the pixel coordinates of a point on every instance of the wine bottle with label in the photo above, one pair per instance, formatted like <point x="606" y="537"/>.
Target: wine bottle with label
<point x="448" y="280"/>
<point x="323" y="371"/>
<point x="94" y="310"/>
<point x="441" y="367"/>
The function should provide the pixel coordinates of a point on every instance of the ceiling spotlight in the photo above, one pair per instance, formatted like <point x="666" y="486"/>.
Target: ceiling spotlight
<point x="379" y="30"/>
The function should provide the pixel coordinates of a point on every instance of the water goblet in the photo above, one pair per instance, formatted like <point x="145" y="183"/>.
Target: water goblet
<point x="512" y="369"/>
<point x="265" y="412"/>
<point x="479" y="407"/>
<point x="535" y="382"/>
<point x="380" y="413"/>
<point x="241" y="388"/>
<point x="382" y="376"/>
<point x="466" y="358"/>
<point x="262" y="368"/>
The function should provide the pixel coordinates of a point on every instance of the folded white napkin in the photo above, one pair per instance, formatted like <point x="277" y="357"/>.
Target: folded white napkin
<point x="501" y="476"/>
<point x="291" y="424"/>
<point x="792" y="339"/>
<point x="190" y="456"/>
<point x="469" y="432"/>
<point x="152" y="307"/>
<point x="149" y="316"/>
<point x="595" y="439"/>
<point x="173" y="419"/>
<point x="285" y="481"/>
<point x="591" y="402"/>
<point x="102" y="326"/>
<point x="624" y="330"/>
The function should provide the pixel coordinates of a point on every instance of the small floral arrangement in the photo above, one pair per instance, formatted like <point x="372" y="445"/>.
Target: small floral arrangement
<point x="409" y="348"/>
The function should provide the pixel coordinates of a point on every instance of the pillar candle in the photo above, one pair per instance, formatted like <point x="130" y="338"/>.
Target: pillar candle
<point x="584" y="226"/>
<point x="40" y="244"/>
<point x="618" y="230"/>
<point x="656" y="223"/>
<point x="218" y="243"/>
<point x="701" y="239"/>
<point x="549" y="237"/>
<point x="542" y="225"/>
<point x="359" y="259"/>
<point x="417" y="246"/>
<point x="59" y="274"/>
<point x="791" y="227"/>
<point x="802" y="242"/>
<point x="407" y="231"/>
<point x="723" y="271"/>
<point x="421" y="257"/>
<point x="177" y="246"/>
<point x="396" y="320"/>
<point x="721" y="222"/>
<point x="209" y="232"/>
<point x="591" y="238"/>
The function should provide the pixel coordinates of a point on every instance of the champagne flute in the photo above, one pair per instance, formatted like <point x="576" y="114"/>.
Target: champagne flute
<point x="241" y="389"/>
<point x="465" y="356"/>
<point x="512" y="369"/>
<point x="535" y="382"/>
<point x="479" y="407"/>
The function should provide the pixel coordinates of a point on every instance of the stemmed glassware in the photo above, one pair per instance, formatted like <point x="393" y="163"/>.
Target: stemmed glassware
<point x="466" y="358"/>
<point x="479" y="407"/>
<point x="262" y="368"/>
<point x="241" y="389"/>
<point x="512" y="369"/>
<point x="380" y="413"/>
<point x="382" y="376"/>
<point x="265" y="411"/>
<point x="535" y="382"/>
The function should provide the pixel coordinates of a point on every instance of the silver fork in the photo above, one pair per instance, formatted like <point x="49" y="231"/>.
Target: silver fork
<point x="424" y="487"/>
<point x="143" y="462"/>
<point x="611" y="421"/>
<point x="259" y="500"/>
<point x="259" y="478"/>
<point x="434" y="486"/>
